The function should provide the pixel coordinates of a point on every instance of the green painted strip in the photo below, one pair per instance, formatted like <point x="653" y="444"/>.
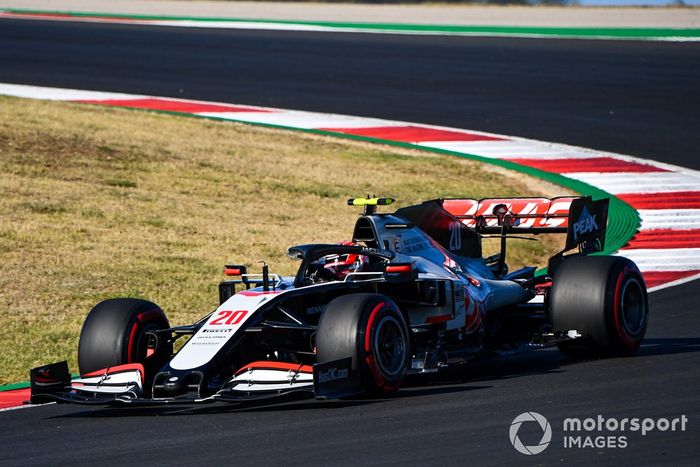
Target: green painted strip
<point x="519" y="31"/>
<point x="12" y="387"/>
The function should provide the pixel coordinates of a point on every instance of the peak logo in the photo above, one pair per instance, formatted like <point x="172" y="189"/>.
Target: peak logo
<point x="543" y="424"/>
<point x="586" y="223"/>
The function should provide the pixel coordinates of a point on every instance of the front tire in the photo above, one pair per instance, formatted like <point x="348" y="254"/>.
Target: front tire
<point x="370" y="329"/>
<point x="605" y="299"/>
<point x="114" y="333"/>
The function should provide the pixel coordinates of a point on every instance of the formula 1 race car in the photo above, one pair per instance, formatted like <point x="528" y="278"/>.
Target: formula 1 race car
<point x="410" y="294"/>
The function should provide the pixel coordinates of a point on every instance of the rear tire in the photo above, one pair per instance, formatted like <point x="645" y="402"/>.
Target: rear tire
<point x="114" y="333"/>
<point x="371" y="329"/>
<point x="605" y="299"/>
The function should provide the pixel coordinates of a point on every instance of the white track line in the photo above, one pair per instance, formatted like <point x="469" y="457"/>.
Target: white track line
<point x="664" y="259"/>
<point x="508" y="149"/>
<point x="297" y="119"/>
<point x="24" y="406"/>
<point x="678" y="219"/>
<point x="654" y="182"/>
<point x="60" y="94"/>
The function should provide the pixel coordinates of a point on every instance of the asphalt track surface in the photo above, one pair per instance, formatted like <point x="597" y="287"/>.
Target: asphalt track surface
<point x="635" y="98"/>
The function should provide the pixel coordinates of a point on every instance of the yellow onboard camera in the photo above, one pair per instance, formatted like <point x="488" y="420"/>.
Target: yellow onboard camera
<point x="370" y="204"/>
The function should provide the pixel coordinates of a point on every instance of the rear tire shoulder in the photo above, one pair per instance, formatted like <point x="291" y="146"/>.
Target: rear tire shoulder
<point x="604" y="298"/>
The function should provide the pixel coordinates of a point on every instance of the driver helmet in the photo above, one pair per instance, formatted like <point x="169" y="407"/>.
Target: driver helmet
<point x="342" y="265"/>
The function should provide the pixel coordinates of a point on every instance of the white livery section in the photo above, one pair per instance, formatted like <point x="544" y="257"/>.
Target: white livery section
<point x="258" y="379"/>
<point x="221" y="326"/>
<point x="116" y="383"/>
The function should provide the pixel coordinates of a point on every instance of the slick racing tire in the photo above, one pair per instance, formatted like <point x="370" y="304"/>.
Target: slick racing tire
<point x="371" y="329"/>
<point x="114" y="333"/>
<point x="604" y="298"/>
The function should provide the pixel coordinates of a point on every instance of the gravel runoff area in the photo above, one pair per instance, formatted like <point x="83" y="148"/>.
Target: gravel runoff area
<point x="627" y="17"/>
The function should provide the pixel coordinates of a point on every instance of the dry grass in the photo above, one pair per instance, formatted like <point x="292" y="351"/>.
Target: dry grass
<point x="98" y="203"/>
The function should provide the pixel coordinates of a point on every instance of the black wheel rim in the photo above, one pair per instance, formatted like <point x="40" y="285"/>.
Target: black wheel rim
<point x="633" y="307"/>
<point x="389" y="347"/>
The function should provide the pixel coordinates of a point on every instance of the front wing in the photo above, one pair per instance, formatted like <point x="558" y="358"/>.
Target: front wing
<point x="256" y="381"/>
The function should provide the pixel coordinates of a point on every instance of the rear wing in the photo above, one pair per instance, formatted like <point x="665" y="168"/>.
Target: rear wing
<point x="582" y="219"/>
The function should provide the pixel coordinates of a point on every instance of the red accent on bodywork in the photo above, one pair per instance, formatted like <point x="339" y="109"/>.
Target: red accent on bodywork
<point x="252" y="293"/>
<point x="232" y="271"/>
<point x="232" y="317"/>
<point x="116" y="369"/>
<point x="438" y="319"/>
<point x="528" y="212"/>
<point x="168" y="105"/>
<point x="268" y="365"/>
<point x="148" y="314"/>
<point x="592" y="164"/>
<point x="461" y="207"/>
<point x="412" y="134"/>
<point x="664" y="239"/>
<point x="672" y="200"/>
<point x="403" y="268"/>
<point x="41" y="377"/>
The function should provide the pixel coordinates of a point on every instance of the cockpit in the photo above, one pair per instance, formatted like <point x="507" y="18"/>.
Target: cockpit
<point x="340" y="262"/>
